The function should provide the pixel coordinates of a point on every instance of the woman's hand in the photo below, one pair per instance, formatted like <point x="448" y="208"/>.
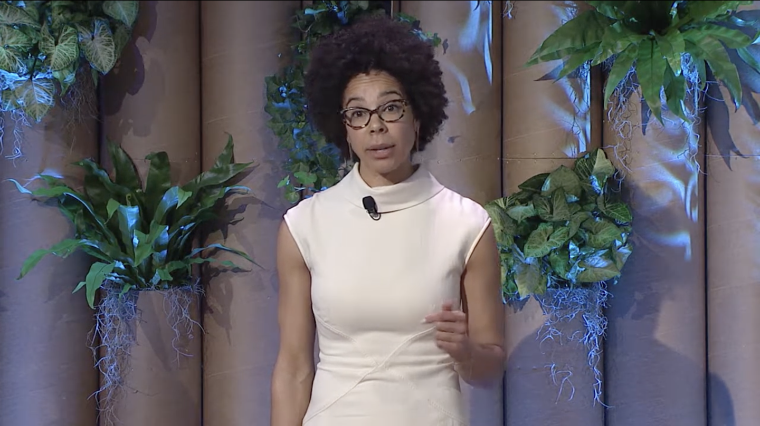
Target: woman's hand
<point x="451" y="333"/>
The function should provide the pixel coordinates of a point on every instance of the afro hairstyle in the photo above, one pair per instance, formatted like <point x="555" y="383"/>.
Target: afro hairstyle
<point x="374" y="43"/>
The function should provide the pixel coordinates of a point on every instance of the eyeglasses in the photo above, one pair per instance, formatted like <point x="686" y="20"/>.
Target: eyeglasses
<point x="358" y="118"/>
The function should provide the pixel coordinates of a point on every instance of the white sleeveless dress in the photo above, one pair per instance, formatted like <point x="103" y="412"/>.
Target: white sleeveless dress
<point x="373" y="282"/>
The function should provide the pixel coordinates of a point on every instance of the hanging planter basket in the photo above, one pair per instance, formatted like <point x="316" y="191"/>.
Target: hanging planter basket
<point x="142" y="238"/>
<point x="661" y="48"/>
<point x="563" y="238"/>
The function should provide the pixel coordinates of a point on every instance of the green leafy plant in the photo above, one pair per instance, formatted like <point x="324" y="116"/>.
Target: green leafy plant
<point x="45" y="44"/>
<point x="140" y="236"/>
<point x="562" y="230"/>
<point x="651" y="39"/>
<point x="312" y="164"/>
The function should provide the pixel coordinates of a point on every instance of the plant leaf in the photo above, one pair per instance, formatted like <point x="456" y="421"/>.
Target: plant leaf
<point x="158" y="180"/>
<point x="125" y="173"/>
<point x="11" y="15"/>
<point x="597" y="268"/>
<point x="529" y="279"/>
<point x="61" y="249"/>
<point x="97" y="43"/>
<point x="36" y="97"/>
<point x="124" y="11"/>
<point x="564" y="178"/>
<point x="720" y="63"/>
<point x="576" y="34"/>
<point x="620" y="68"/>
<point x="61" y="53"/>
<point x="617" y="38"/>
<point x="12" y="43"/>
<point x="94" y="279"/>
<point x="650" y="68"/>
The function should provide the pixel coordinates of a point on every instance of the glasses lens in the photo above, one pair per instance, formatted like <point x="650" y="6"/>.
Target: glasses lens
<point x="357" y="117"/>
<point x="392" y="111"/>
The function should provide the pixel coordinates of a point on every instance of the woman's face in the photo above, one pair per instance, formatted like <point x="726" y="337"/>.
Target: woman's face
<point x="381" y="139"/>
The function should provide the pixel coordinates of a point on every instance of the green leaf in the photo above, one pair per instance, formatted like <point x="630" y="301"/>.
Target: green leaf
<point x="704" y="10"/>
<point x="124" y="11"/>
<point x="125" y="173"/>
<point x="36" y="97"/>
<point x="128" y="218"/>
<point x="597" y="268"/>
<point x="578" y="33"/>
<point x="223" y="248"/>
<point x="520" y="213"/>
<point x="618" y="212"/>
<point x="543" y="240"/>
<point x="617" y="38"/>
<point x="564" y="178"/>
<point x="650" y="68"/>
<point x="675" y="92"/>
<point x="13" y="15"/>
<point x="534" y="183"/>
<point x="158" y="180"/>
<point x="747" y="57"/>
<point x="529" y="279"/>
<point x="602" y="233"/>
<point x="673" y="46"/>
<point x="720" y="63"/>
<point x="61" y="53"/>
<point x="97" y="44"/>
<point x="94" y="280"/>
<point x="620" y="68"/>
<point x="12" y="43"/>
<point x="62" y="249"/>
<point x="111" y="208"/>
<point x="578" y="59"/>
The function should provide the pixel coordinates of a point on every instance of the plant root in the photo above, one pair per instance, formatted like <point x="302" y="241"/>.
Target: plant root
<point x="115" y="333"/>
<point x="563" y="306"/>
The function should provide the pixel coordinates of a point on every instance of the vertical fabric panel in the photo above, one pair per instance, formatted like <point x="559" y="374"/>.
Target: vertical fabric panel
<point x="465" y="154"/>
<point x="243" y="42"/>
<point x="733" y="236"/>
<point x="655" y="353"/>
<point x="152" y="103"/>
<point x="545" y="125"/>
<point x="46" y="368"/>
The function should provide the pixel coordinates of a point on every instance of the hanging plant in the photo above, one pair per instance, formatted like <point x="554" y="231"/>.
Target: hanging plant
<point x="562" y="238"/>
<point x="141" y="238"/>
<point x="655" y="42"/>
<point x="312" y="164"/>
<point x="45" y="44"/>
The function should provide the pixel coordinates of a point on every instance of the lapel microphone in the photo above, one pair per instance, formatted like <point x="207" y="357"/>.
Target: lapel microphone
<point x="371" y="207"/>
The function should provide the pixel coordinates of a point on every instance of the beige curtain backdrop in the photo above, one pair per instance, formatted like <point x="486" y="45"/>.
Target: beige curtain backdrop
<point x="194" y="72"/>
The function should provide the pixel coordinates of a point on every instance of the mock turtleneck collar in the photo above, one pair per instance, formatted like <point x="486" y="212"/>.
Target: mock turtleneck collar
<point x="418" y="188"/>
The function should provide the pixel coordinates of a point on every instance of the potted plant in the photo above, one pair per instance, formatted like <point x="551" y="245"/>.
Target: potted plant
<point x="563" y="237"/>
<point x="142" y="238"/>
<point x="312" y="164"/>
<point x="46" y="44"/>
<point x="663" y="48"/>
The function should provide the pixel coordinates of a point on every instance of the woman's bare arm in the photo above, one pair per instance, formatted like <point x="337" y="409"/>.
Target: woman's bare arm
<point x="294" y="369"/>
<point x="485" y="313"/>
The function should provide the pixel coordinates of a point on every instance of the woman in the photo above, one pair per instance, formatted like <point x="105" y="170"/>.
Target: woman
<point x="397" y="275"/>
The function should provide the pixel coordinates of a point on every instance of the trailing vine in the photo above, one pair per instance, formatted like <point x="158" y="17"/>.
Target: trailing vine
<point x="312" y="164"/>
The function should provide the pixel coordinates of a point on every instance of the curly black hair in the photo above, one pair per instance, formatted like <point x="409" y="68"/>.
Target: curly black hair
<point x="374" y="43"/>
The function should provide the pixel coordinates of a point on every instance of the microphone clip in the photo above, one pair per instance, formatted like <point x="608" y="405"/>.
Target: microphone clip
<point x="371" y="206"/>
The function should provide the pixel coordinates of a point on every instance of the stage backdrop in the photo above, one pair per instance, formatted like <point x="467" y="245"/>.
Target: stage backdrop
<point x="682" y="321"/>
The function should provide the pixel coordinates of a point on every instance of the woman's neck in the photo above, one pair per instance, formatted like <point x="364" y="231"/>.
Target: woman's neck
<point x="374" y="179"/>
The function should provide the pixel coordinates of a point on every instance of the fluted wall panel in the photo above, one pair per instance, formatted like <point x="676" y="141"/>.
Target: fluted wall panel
<point x="47" y="371"/>
<point x="545" y="125"/>
<point x="152" y="103"/>
<point x="243" y="42"/>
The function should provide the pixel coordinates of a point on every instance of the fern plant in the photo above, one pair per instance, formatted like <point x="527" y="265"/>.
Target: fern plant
<point x="45" y="43"/>
<point x="141" y="236"/>
<point x="312" y="164"/>
<point x="563" y="230"/>
<point x="651" y="38"/>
